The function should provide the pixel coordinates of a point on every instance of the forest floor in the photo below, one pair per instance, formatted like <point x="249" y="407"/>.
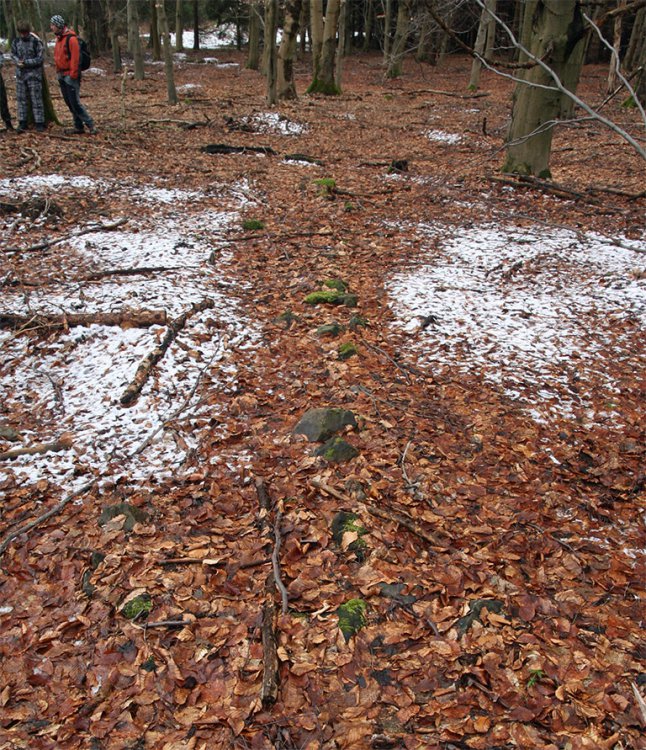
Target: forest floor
<point x="493" y="363"/>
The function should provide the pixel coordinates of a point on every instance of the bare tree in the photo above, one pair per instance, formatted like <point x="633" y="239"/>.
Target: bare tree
<point x="168" y="53"/>
<point x="286" y="88"/>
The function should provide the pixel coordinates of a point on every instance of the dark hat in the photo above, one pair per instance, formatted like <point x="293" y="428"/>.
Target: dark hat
<point x="58" y="21"/>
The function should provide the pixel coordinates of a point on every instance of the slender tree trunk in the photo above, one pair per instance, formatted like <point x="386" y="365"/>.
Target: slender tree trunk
<point x="316" y="25"/>
<point x="134" y="39"/>
<point x="114" y="36"/>
<point x="640" y="88"/>
<point x="253" y="56"/>
<point x="342" y="45"/>
<point x="637" y="40"/>
<point x="155" y="42"/>
<point x="396" y="58"/>
<point x="270" y="61"/>
<point x="482" y="42"/>
<point x="616" y="49"/>
<point x="368" y="23"/>
<point x="530" y="136"/>
<point x="286" y="88"/>
<point x="196" y="25"/>
<point x="179" y="25"/>
<point x="388" y="14"/>
<point x="168" y="52"/>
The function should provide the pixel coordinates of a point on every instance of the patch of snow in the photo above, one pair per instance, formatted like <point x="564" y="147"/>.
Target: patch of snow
<point x="440" y="135"/>
<point x="533" y="310"/>
<point x="272" y="122"/>
<point x="73" y="381"/>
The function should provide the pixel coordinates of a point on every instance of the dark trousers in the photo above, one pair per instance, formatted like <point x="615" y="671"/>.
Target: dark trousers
<point x="71" y="90"/>
<point x="4" y="105"/>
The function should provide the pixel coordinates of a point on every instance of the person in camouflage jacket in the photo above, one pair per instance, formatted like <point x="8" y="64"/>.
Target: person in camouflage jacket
<point x="28" y="53"/>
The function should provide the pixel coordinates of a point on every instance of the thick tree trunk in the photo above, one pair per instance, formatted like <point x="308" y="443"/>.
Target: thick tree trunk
<point x="168" y="53"/>
<point x="155" y="42"/>
<point x="285" y="87"/>
<point x="253" y="56"/>
<point x="179" y="25"/>
<point x="324" y="83"/>
<point x="396" y="58"/>
<point x="343" y="43"/>
<point x="637" y="41"/>
<point x="114" y="36"/>
<point x="196" y="25"/>
<point x="554" y="24"/>
<point x="316" y="24"/>
<point x="134" y="40"/>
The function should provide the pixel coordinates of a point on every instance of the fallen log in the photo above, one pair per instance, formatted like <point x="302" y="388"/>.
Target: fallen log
<point x="134" y="318"/>
<point x="222" y="148"/>
<point x="150" y="360"/>
<point x="49" y="243"/>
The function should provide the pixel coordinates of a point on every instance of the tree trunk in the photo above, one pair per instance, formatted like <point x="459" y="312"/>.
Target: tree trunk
<point x="316" y="23"/>
<point x="168" y="53"/>
<point x="114" y="36"/>
<point x="270" y="56"/>
<point x="342" y="45"/>
<point x="179" y="26"/>
<point x="368" y="23"/>
<point x="253" y="57"/>
<point x="637" y="41"/>
<point x="324" y="83"/>
<point x="396" y="58"/>
<point x="530" y="138"/>
<point x="640" y="88"/>
<point x="388" y="14"/>
<point x="482" y="41"/>
<point x="616" y="49"/>
<point x="154" y="31"/>
<point x="134" y="40"/>
<point x="196" y="25"/>
<point x="286" y="88"/>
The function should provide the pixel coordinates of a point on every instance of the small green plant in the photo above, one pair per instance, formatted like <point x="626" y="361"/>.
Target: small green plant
<point x="337" y="284"/>
<point x="535" y="675"/>
<point x="352" y="617"/>
<point x="251" y="225"/>
<point x="326" y="186"/>
<point x="138" y="607"/>
<point x="347" y="350"/>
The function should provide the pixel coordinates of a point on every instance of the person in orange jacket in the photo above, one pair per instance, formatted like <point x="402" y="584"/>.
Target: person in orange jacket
<point x="68" y="72"/>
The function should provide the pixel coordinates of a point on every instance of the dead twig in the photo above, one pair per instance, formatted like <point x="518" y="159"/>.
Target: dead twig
<point x="80" y="233"/>
<point x="137" y="318"/>
<point x="275" y="562"/>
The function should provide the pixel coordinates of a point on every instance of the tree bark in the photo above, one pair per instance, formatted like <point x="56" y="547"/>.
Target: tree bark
<point x="253" y="57"/>
<point x="324" y="83"/>
<point x="482" y="42"/>
<point x="179" y="25"/>
<point x="316" y="24"/>
<point x="342" y="44"/>
<point x="553" y="24"/>
<point x="270" y="56"/>
<point x="196" y="25"/>
<point x="114" y="36"/>
<point x="396" y="58"/>
<point x="168" y="54"/>
<point x="134" y="40"/>
<point x="285" y="87"/>
<point x="155" y="42"/>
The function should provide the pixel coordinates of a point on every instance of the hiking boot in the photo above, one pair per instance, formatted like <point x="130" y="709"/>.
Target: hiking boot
<point x="92" y="130"/>
<point x="8" y="125"/>
<point x="73" y="131"/>
<point x="22" y="127"/>
<point x="40" y="127"/>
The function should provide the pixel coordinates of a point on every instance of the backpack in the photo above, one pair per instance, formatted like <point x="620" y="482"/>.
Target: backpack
<point x="85" y="59"/>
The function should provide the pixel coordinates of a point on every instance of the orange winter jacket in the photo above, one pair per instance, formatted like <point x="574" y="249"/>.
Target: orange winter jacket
<point x="67" y="57"/>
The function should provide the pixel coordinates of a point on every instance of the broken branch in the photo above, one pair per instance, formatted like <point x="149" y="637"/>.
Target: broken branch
<point x="137" y="319"/>
<point x="80" y="233"/>
<point x="61" y="444"/>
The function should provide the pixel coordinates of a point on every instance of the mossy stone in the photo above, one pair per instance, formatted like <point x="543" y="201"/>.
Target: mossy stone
<point x="138" y="607"/>
<point x="336" y="451"/>
<point x="324" y="297"/>
<point x="329" y="329"/>
<point x="287" y="318"/>
<point x="352" y="617"/>
<point x="337" y="284"/>
<point x="320" y="424"/>
<point x="132" y="513"/>
<point x="347" y="350"/>
<point x="251" y="225"/>
<point x="356" y="321"/>
<point x="344" y="522"/>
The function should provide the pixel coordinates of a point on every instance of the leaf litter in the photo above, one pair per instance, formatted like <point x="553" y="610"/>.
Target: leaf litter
<point x="501" y="571"/>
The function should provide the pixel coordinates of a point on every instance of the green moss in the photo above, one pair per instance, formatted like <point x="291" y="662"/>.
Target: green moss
<point x="629" y="103"/>
<point x="329" y="329"/>
<point x="149" y="665"/>
<point x="545" y="174"/>
<point x="250" y="225"/>
<point x="324" y="297"/>
<point x="352" y="617"/>
<point x="356" y="321"/>
<point x="286" y="318"/>
<point x="321" y="87"/>
<point x="348" y="207"/>
<point x="138" y="607"/>
<point x="337" y="284"/>
<point x="347" y="350"/>
<point x="344" y="522"/>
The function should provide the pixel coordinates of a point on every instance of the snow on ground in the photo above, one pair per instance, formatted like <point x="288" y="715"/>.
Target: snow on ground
<point x="442" y="137"/>
<point x="72" y="381"/>
<point x="534" y="310"/>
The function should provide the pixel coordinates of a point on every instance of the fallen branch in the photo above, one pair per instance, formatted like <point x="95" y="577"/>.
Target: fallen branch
<point x="135" y="318"/>
<point x="145" y="367"/>
<point x="640" y="702"/>
<point x="275" y="563"/>
<point x="55" y="446"/>
<point x="130" y="272"/>
<point x="45" y="516"/>
<point x="80" y="233"/>
<point x="553" y="188"/>
<point x="269" y="688"/>
<point x="476" y="95"/>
